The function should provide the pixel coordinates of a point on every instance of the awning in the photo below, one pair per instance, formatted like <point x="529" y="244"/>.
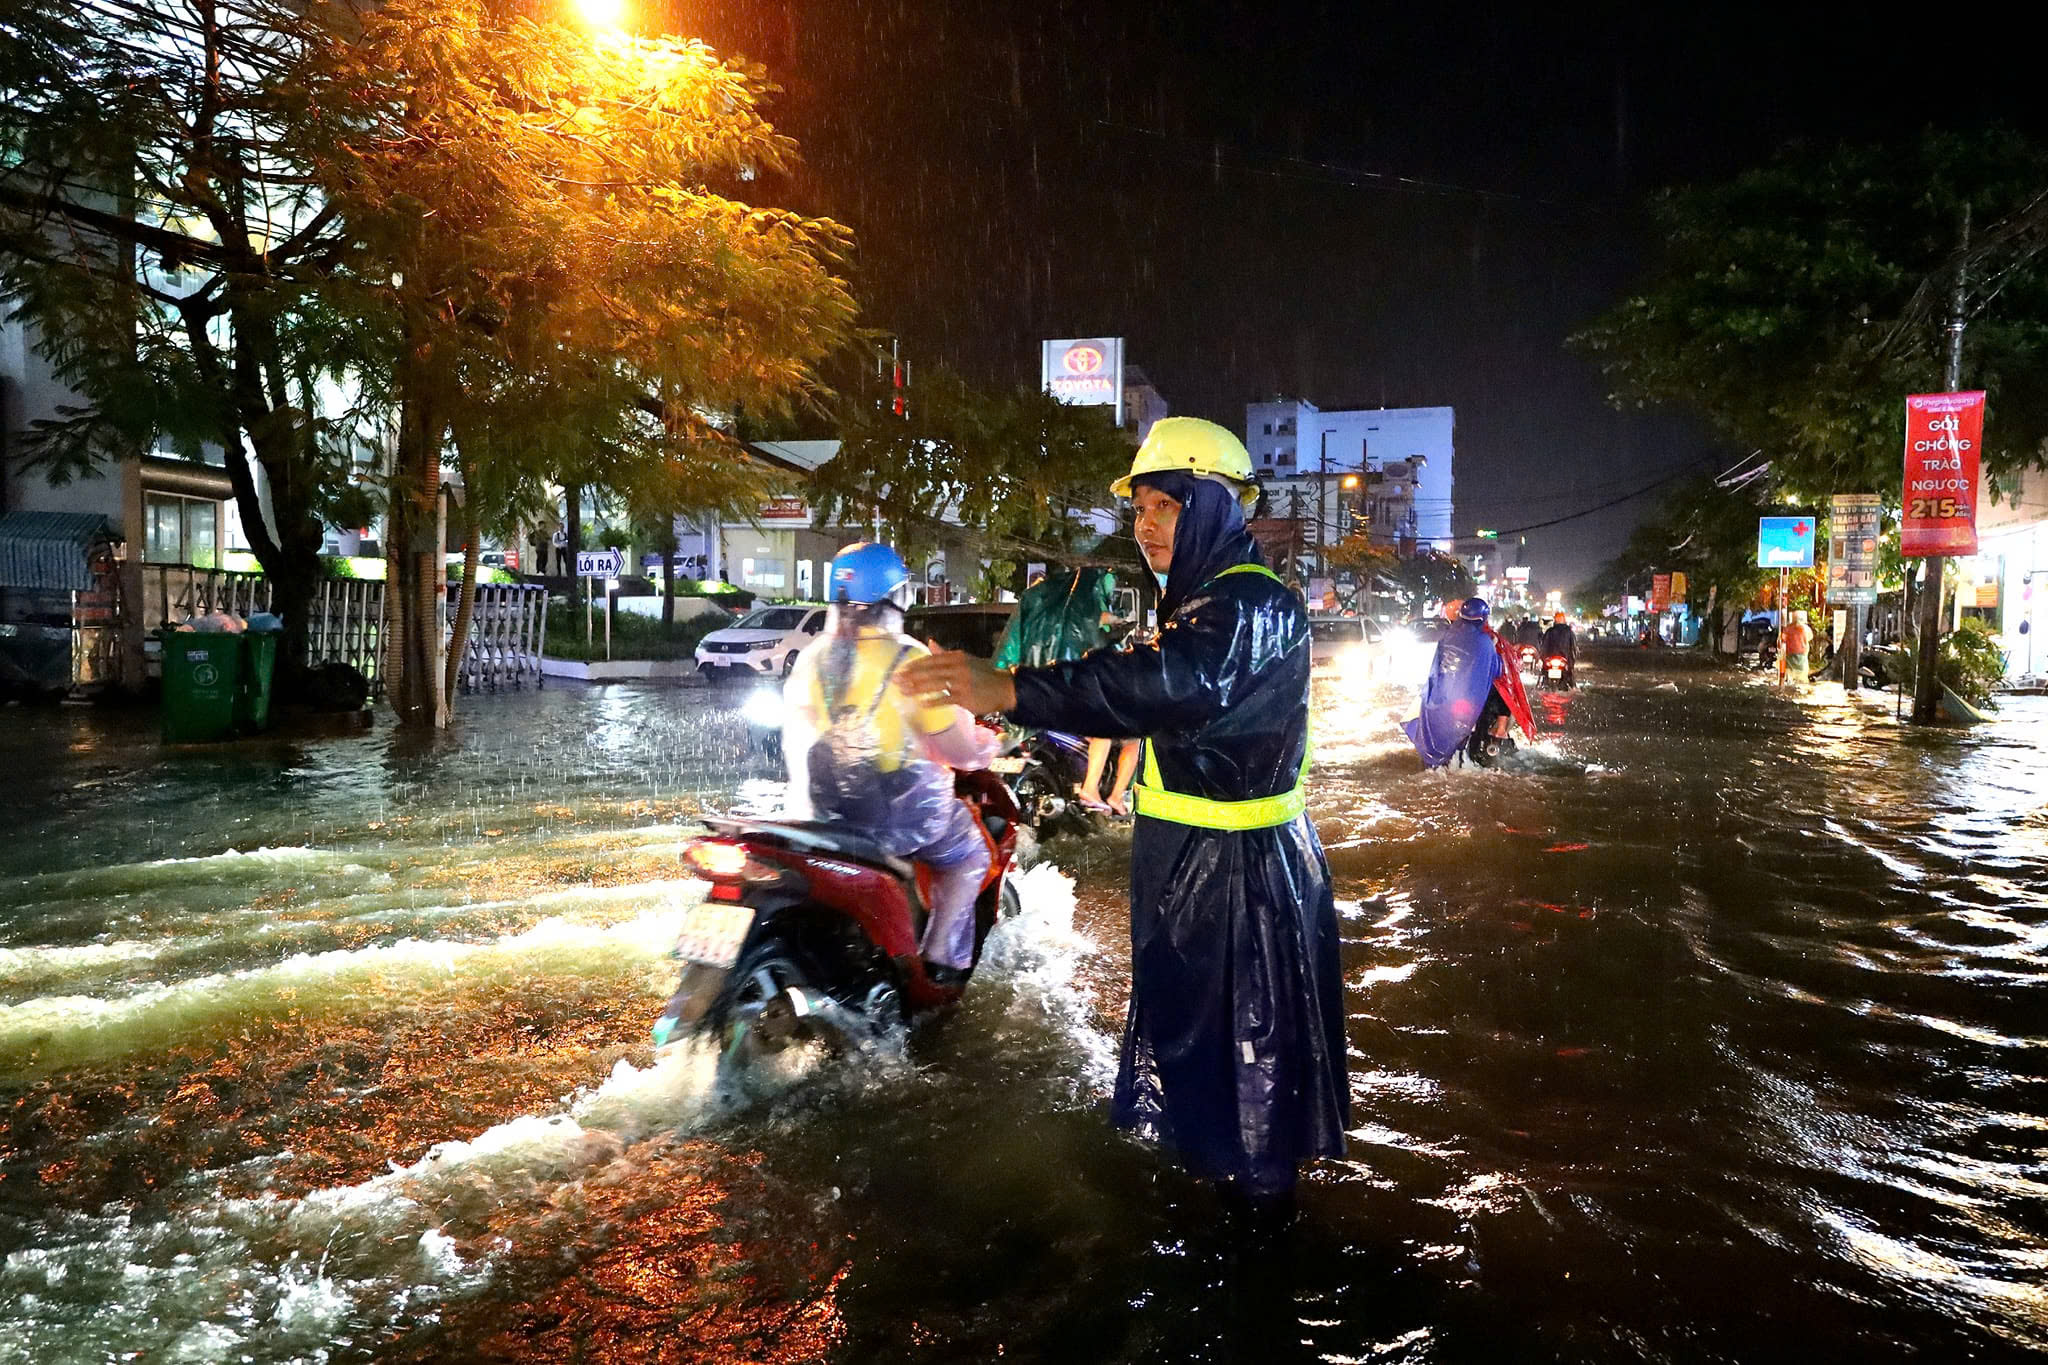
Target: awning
<point x="46" y="550"/>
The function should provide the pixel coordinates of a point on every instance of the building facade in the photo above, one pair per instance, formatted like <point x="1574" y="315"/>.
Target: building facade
<point x="1293" y="442"/>
<point x="2005" y="583"/>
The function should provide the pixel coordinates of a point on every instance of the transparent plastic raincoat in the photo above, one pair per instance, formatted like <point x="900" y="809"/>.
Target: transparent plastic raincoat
<point x="1234" y="1051"/>
<point x="862" y="750"/>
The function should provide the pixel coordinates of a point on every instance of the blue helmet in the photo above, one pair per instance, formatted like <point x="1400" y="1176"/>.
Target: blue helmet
<point x="867" y="572"/>
<point x="1472" y="609"/>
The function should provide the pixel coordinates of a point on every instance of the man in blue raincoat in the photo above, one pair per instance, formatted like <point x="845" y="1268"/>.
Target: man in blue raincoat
<point x="1234" y="1049"/>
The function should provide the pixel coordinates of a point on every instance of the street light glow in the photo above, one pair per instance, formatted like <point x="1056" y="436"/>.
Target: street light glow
<point x="602" y="13"/>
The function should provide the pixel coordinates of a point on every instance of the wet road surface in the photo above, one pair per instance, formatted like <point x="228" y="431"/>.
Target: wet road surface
<point x="1713" y="1028"/>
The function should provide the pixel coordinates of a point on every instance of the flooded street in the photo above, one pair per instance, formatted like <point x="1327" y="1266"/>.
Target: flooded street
<point x="1715" y="1027"/>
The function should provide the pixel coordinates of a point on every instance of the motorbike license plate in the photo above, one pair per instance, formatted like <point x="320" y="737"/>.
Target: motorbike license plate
<point x="1011" y="765"/>
<point x="712" y="933"/>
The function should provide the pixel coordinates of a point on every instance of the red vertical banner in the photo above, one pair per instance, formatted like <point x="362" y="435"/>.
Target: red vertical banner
<point x="1944" y="438"/>
<point x="1660" y="592"/>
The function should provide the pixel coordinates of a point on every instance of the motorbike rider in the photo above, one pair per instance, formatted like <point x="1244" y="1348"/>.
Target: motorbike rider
<point x="1474" y="689"/>
<point x="862" y="749"/>
<point x="1529" y="632"/>
<point x="1234" y="1050"/>
<point x="1559" y="642"/>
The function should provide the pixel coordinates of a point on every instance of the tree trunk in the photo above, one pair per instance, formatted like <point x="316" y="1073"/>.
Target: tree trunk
<point x="572" y="516"/>
<point x="254" y="430"/>
<point x="417" y="575"/>
<point x="668" y="585"/>
<point x="1927" y="671"/>
<point x="465" y="610"/>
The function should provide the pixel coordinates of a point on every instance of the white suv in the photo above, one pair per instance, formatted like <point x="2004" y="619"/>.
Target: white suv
<point x="763" y="641"/>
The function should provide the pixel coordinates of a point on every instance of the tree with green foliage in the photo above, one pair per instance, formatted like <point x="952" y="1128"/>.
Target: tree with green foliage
<point x="1015" y="466"/>
<point x="1427" y="576"/>
<point x="553" y="210"/>
<point x="1796" y="306"/>
<point x="164" y="242"/>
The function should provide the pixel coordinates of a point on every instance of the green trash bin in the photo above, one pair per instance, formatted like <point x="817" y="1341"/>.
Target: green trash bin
<point x="202" y="673"/>
<point x="259" y="665"/>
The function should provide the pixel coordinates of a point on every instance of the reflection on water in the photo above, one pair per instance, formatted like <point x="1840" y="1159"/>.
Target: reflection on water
<point x="1710" y="1027"/>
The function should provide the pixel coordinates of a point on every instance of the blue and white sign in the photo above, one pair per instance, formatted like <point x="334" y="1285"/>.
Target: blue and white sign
<point x="600" y="563"/>
<point x="1784" y="542"/>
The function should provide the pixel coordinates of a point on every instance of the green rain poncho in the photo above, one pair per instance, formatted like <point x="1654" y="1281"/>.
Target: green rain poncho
<point x="1058" y="617"/>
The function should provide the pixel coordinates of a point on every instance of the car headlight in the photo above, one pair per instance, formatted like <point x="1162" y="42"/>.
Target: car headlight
<point x="764" y="709"/>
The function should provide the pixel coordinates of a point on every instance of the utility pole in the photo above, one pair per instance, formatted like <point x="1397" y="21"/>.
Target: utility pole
<point x="1926" y="685"/>
<point x="1322" y="503"/>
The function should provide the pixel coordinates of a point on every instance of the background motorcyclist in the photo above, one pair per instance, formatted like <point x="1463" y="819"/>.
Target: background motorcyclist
<point x="862" y="750"/>
<point x="1473" y="690"/>
<point x="1529" y="632"/>
<point x="1559" y="642"/>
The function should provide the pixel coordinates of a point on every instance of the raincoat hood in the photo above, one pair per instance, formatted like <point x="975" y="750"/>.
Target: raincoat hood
<point x="1209" y="538"/>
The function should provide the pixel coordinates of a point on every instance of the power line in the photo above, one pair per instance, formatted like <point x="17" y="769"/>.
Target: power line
<point x="1612" y="502"/>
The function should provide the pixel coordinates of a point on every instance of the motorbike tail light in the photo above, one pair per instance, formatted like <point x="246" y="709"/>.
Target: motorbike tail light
<point x="724" y="863"/>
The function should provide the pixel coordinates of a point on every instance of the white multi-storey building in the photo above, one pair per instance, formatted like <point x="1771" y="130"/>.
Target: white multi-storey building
<point x="1293" y="443"/>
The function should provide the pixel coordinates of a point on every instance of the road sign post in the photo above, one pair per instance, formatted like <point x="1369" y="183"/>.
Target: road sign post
<point x="1853" y="523"/>
<point x="1784" y="544"/>
<point x="593" y="565"/>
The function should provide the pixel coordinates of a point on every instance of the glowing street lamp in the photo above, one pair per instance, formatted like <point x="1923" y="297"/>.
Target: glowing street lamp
<point x="602" y="13"/>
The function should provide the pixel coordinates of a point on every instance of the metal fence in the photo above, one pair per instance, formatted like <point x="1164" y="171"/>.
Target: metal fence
<point x="346" y="625"/>
<point x="345" y="622"/>
<point x="170" y="593"/>
<point x="508" y="628"/>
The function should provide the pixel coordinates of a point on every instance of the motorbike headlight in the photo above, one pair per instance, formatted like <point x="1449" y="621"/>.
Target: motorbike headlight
<point x="1410" y="655"/>
<point x="763" y="708"/>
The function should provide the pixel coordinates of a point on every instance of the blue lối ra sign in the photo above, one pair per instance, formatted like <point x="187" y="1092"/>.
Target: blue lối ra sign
<point x="1784" y="542"/>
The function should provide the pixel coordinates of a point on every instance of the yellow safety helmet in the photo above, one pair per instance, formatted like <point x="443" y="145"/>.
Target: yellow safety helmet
<point x="1198" y="447"/>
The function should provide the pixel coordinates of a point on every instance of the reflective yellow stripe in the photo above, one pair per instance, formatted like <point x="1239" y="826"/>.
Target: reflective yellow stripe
<point x="1261" y="812"/>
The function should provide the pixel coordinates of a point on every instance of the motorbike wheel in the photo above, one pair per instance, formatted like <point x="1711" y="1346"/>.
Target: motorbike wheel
<point x="776" y="1005"/>
<point x="1041" y="800"/>
<point x="1011" y="905"/>
<point x="1488" y="752"/>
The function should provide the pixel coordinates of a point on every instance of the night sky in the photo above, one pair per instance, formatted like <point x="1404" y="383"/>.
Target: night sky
<point x="1361" y="205"/>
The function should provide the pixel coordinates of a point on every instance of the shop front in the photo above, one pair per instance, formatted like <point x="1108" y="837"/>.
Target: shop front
<point x="2003" y="584"/>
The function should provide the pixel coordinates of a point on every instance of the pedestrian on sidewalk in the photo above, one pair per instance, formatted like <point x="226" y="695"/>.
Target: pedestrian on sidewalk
<point x="1798" y="640"/>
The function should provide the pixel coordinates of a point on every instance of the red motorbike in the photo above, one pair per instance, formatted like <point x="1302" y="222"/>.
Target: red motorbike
<point x="810" y="932"/>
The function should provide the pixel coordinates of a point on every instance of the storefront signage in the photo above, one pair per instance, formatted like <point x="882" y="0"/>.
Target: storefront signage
<point x="1680" y="589"/>
<point x="785" y="510"/>
<point x="1852" y="549"/>
<point x="1784" y="542"/>
<point x="1088" y="372"/>
<point x="1944" y="438"/>
<point x="1660" y="592"/>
